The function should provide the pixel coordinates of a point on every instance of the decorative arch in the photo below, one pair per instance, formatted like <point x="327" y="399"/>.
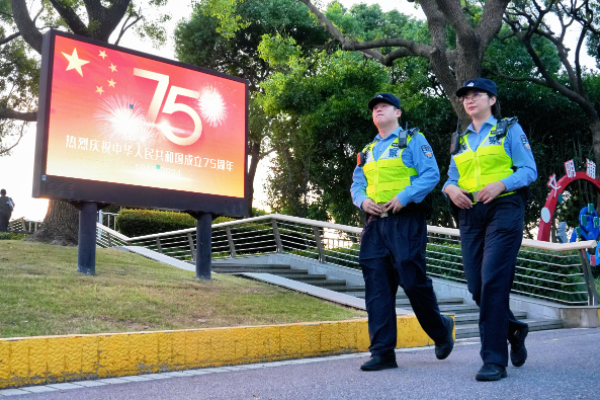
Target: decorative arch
<point x="552" y="200"/>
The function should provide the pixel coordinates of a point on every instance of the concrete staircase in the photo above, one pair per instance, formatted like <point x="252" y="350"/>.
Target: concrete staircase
<point x="466" y="315"/>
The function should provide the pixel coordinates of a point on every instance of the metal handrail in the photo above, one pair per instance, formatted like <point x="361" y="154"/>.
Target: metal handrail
<point x="339" y="244"/>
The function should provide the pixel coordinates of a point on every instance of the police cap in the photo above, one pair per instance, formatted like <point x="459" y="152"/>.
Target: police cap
<point x="478" y="83"/>
<point x="384" y="98"/>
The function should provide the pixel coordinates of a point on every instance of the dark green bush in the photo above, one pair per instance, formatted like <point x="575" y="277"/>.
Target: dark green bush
<point x="12" y="236"/>
<point x="135" y="223"/>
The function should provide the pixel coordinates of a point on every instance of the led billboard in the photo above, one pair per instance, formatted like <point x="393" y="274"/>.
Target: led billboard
<point x="119" y="126"/>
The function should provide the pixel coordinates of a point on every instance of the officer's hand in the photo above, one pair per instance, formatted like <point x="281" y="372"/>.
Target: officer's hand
<point x="371" y="207"/>
<point x="459" y="197"/>
<point x="393" y="205"/>
<point x="490" y="191"/>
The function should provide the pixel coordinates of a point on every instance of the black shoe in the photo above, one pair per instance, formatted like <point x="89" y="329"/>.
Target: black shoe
<point x="491" y="372"/>
<point x="377" y="363"/>
<point x="518" y="352"/>
<point x="444" y="348"/>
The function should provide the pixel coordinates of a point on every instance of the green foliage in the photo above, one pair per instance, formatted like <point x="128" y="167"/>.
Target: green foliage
<point x="198" y="41"/>
<point x="135" y="223"/>
<point x="12" y="236"/>
<point x="257" y="212"/>
<point x="19" y="77"/>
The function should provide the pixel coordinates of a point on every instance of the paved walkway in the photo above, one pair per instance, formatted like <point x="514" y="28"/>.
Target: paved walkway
<point x="562" y="364"/>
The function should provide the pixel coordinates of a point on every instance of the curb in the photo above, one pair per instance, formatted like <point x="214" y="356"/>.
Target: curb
<point x="52" y="359"/>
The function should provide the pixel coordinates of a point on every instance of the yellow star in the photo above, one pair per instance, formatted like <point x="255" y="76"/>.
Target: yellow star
<point x="102" y="54"/>
<point x="99" y="89"/>
<point x="113" y="67"/>
<point x="75" y="62"/>
<point x="112" y="83"/>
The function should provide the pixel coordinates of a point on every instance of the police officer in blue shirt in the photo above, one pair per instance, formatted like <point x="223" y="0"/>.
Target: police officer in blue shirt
<point x="394" y="174"/>
<point x="491" y="164"/>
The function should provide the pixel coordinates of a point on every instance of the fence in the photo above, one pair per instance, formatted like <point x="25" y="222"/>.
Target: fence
<point x="23" y="225"/>
<point x="557" y="272"/>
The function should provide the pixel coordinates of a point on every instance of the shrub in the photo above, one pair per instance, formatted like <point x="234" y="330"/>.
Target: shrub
<point x="12" y="236"/>
<point x="135" y="223"/>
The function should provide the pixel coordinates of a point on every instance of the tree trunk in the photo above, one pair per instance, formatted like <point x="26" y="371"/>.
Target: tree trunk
<point x="60" y="227"/>
<point x="254" y="159"/>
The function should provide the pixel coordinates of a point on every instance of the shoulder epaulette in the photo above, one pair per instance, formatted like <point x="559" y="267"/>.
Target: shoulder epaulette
<point x="503" y="125"/>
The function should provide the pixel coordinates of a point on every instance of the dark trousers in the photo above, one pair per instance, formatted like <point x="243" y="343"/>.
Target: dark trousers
<point x="491" y="236"/>
<point x="392" y="253"/>
<point x="4" y="218"/>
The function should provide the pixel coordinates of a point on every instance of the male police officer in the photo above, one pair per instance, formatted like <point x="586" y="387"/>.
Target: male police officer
<point x="395" y="173"/>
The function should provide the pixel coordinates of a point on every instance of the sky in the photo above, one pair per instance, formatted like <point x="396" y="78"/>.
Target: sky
<point x="17" y="170"/>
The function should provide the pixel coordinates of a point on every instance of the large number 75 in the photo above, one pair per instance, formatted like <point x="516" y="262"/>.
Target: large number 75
<point x="171" y="106"/>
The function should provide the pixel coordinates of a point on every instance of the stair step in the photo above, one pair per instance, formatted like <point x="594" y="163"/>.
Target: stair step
<point x="233" y="270"/>
<point x="361" y="295"/>
<point x="303" y="278"/>
<point x="472" y="330"/>
<point x="473" y="318"/>
<point x="346" y="289"/>
<point x="329" y="283"/>
<point x="443" y="300"/>
<point x="241" y="265"/>
<point x="459" y="308"/>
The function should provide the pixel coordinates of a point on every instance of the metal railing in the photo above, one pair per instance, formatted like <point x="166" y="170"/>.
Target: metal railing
<point x="23" y="225"/>
<point x="108" y="219"/>
<point x="550" y="271"/>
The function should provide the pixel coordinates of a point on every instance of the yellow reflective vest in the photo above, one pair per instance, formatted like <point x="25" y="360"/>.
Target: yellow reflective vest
<point x="387" y="176"/>
<point x="489" y="163"/>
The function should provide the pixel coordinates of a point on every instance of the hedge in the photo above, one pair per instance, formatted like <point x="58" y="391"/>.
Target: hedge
<point x="135" y="223"/>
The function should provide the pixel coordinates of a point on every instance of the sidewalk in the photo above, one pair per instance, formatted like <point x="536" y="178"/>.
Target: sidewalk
<point x="562" y="364"/>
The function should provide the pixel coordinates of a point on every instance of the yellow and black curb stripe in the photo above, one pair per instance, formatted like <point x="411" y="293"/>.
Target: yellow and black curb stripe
<point x="50" y="359"/>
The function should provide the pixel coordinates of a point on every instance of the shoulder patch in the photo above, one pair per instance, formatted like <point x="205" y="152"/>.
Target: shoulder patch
<point x="427" y="151"/>
<point x="525" y="142"/>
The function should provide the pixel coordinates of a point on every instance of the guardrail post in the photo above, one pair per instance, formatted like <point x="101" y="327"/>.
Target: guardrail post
<point x="158" y="245"/>
<point x="192" y="248"/>
<point x="589" y="278"/>
<point x="230" y="240"/>
<point x="317" y="232"/>
<point x="277" y="236"/>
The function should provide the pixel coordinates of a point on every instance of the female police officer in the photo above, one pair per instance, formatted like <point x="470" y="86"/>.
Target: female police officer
<point x="490" y="162"/>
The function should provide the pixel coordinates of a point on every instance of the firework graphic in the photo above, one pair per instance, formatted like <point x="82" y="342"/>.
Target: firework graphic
<point x="122" y="119"/>
<point x="212" y="106"/>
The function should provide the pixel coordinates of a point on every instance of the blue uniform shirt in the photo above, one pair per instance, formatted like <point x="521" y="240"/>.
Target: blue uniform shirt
<point x="417" y="155"/>
<point x="517" y="147"/>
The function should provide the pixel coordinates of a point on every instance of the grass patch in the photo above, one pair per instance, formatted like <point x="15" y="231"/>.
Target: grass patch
<point x="42" y="293"/>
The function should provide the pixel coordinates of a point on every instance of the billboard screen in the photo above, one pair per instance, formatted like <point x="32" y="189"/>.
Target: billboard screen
<point x="118" y="126"/>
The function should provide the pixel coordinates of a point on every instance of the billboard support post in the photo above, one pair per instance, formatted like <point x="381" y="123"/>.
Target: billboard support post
<point x="203" y="244"/>
<point x="86" y="253"/>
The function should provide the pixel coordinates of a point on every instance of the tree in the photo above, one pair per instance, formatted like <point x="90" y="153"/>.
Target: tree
<point x="529" y="23"/>
<point x="459" y="35"/>
<point x="18" y="81"/>
<point x="90" y="18"/>
<point x="208" y="40"/>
